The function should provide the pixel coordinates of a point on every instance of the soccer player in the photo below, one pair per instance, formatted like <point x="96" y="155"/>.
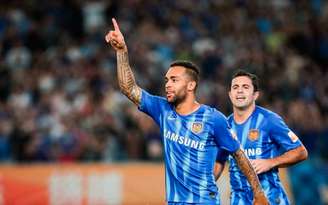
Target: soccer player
<point x="266" y="140"/>
<point x="192" y="133"/>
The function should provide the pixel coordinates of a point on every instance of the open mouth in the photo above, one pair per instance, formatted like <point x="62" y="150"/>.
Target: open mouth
<point x="240" y="98"/>
<point x="169" y="94"/>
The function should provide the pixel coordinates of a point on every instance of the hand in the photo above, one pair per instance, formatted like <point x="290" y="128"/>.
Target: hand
<point x="262" y="165"/>
<point x="115" y="38"/>
<point x="260" y="199"/>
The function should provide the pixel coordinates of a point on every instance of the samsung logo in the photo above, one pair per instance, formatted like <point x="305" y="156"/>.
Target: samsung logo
<point x="184" y="140"/>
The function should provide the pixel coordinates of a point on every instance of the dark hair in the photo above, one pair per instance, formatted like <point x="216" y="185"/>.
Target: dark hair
<point x="253" y="77"/>
<point x="191" y="69"/>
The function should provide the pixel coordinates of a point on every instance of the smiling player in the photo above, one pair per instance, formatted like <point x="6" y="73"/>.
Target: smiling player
<point x="265" y="138"/>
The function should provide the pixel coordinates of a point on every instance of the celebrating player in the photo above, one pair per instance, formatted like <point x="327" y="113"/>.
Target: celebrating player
<point x="265" y="138"/>
<point x="192" y="133"/>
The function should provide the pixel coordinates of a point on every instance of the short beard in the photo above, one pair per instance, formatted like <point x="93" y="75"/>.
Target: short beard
<point x="178" y="99"/>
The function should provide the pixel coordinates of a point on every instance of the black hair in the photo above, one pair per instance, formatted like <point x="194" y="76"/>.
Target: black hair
<point x="253" y="77"/>
<point x="191" y="69"/>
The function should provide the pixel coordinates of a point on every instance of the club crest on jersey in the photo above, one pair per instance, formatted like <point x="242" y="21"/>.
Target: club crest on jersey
<point x="196" y="127"/>
<point x="253" y="134"/>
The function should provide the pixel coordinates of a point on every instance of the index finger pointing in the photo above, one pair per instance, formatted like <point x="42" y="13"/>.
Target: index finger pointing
<point x="116" y="27"/>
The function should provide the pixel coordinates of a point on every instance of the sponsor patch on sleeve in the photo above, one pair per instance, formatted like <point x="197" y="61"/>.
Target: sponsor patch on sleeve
<point x="292" y="136"/>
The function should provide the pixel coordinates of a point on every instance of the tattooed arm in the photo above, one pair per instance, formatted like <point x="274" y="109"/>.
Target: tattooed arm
<point x="126" y="78"/>
<point x="247" y="169"/>
<point x="125" y="75"/>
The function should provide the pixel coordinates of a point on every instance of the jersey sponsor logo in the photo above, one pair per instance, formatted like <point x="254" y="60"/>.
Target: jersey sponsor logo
<point x="251" y="152"/>
<point x="292" y="136"/>
<point x="253" y="134"/>
<point x="183" y="140"/>
<point x="196" y="127"/>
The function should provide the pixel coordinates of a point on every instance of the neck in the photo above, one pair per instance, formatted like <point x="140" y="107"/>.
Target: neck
<point x="188" y="106"/>
<point x="241" y="115"/>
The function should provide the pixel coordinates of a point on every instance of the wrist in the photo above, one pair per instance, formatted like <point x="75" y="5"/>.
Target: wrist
<point x="274" y="163"/>
<point x="122" y="49"/>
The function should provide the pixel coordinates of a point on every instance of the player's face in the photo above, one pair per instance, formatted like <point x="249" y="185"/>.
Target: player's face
<point x="242" y="93"/>
<point x="176" y="83"/>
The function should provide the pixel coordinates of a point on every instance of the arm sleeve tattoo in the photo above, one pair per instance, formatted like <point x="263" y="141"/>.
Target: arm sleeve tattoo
<point x="126" y="78"/>
<point x="247" y="169"/>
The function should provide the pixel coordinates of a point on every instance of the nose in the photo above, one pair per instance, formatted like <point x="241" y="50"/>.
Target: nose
<point x="167" y="84"/>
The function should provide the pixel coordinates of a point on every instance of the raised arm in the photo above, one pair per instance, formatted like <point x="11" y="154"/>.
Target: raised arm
<point x="246" y="167"/>
<point x="125" y="75"/>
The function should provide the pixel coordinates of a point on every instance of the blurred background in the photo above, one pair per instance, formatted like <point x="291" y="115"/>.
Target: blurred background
<point x="59" y="99"/>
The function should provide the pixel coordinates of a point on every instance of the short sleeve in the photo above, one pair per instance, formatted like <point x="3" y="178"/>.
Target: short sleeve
<point x="285" y="138"/>
<point x="223" y="135"/>
<point x="151" y="105"/>
<point x="222" y="156"/>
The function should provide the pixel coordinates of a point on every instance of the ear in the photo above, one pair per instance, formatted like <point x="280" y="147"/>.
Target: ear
<point x="191" y="86"/>
<point x="256" y="95"/>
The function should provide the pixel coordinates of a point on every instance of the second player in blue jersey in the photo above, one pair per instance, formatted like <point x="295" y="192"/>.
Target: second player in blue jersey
<point x="266" y="140"/>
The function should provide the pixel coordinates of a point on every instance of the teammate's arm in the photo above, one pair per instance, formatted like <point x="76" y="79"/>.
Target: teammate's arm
<point x="218" y="169"/>
<point x="220" y="162"/>
<point x="287" y="140"/>
<point x="290" y="157"/>
<point x="246" y="167"/>
<point x="285" y="160"/>
<point x="125" y="75"/>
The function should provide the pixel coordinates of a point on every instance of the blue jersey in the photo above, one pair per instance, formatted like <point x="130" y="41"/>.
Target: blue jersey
<point x="191" y="143"/>
<point x="263" y="135"/>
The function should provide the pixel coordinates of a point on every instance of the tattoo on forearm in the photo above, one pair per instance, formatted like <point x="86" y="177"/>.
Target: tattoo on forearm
<point x="247" y="169"/>
<point x="126" y="78"/>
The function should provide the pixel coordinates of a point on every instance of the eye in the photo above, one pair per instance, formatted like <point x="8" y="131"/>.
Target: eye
<point x="174" y="80"/>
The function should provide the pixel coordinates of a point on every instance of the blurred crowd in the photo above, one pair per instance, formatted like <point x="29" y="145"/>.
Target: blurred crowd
<point x="59" y="99"/>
